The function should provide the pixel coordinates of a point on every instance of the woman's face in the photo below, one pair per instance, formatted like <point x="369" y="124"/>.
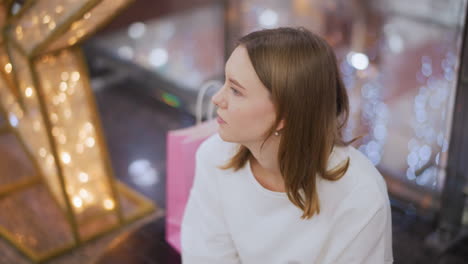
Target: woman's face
<point x="243" y="102"/>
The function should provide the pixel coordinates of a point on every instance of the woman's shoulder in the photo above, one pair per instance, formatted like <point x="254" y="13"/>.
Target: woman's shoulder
<point x="365" y="171"/>
<point x="361" y="171"/>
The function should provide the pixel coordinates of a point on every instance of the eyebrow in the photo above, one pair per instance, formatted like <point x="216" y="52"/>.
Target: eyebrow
<point x="236" y="83"/>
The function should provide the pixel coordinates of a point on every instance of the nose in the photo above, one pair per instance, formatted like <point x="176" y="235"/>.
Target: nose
<point x="218" y="98"/>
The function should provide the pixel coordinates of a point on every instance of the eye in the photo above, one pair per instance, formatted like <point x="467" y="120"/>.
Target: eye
<point x="235" y="92"/>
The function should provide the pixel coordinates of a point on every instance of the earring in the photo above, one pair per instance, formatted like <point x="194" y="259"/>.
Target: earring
<point x="276" y="133"/>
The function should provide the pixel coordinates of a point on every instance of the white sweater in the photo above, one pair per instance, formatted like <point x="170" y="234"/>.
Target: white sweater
<point x="231" y="218"/>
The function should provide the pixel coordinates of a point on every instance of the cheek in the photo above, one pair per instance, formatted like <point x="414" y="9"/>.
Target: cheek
<point x="258" y="117"/>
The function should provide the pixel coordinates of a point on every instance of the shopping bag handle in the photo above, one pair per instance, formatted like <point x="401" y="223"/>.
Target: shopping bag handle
<point x="201" y="94"/>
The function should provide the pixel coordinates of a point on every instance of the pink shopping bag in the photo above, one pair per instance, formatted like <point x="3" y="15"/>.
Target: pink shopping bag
<point x="181" y="147"/>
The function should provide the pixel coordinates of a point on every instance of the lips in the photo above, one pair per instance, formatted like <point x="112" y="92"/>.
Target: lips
<point x="220" y="120"/>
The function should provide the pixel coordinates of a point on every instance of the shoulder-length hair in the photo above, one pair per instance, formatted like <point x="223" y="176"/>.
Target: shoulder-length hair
<point x="300" y="71"/>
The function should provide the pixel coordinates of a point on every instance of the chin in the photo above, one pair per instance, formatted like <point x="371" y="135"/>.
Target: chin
<point x="225" y="137"/>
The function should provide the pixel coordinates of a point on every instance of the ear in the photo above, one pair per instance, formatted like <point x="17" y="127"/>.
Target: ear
<point x="280" y="125"/>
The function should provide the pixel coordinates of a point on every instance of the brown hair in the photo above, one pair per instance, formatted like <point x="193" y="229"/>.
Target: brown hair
<point x="300" y="71"/>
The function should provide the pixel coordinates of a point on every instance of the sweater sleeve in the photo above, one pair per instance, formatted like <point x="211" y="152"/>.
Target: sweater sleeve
<point x="204" y="236"/>
<point x="357" y="235"/>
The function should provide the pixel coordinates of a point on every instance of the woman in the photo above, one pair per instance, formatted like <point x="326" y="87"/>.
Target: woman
<point x="277" y="183"/>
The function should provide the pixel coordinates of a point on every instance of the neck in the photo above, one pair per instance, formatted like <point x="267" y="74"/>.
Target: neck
<point x="266" y="160"/>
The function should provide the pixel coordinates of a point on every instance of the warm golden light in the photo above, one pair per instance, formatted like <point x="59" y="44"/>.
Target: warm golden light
<point x="46" y="19"/>
<point x="108" y="204"/>
<point x="65" y="76"/>
<point x="42" y="152"/>
<point x="88" y="126"/>
<point x="90" y="142"/>
<point x="77" y="202"/>
<point x="80" y="33"/>
<point x="8" y="68"/>
<point x="66" y="158"/>
<point x="55" y="131"/>
<point x="62" y="97"/>
<point x="75" y="25"/>
<point x="49" y="105"/>
<point x="52" y="25"/>
<point x="75" y="76"/>
<point x="54" y="118"/>
<point x="83" y="177"/>
<point x="35" y="20"/>
<point x="84" y="193"/>
<point x="63" y="86"/>
<point x="59" y="9"/>
<point x="56" y="100"/>
<point x="72" y="41"/>
<point x="28" y="92"/>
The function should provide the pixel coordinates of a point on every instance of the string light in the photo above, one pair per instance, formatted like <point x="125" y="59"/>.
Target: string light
<point x="83" y="177"/>
<point x="109" y="204"/>
<point x="90" y="142"/>
<point x="8" y="68"/>
<point x="46" y="19"/>
<point x="63" y="86"/>
<point x="65" y="76"/>
<point x="59" y="9"/>
<point x="77" y="202"/>
<point x="42" y="152"/>
<point x="75" y="76"/>
<point x="66" y="157"/>
<point x="28" y="92"/>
